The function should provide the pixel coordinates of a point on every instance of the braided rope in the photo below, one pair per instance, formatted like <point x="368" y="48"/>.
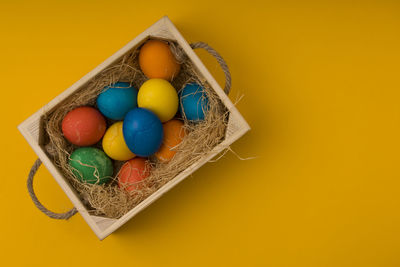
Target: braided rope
<point x="29" y="183"/>
<point x="221" y="61"/>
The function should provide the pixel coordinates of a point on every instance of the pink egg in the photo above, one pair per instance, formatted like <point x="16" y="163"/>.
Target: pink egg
<point x="132" y="172"/>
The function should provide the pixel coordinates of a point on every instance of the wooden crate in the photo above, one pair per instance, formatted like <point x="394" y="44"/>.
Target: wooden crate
<point x="31" y="128"/>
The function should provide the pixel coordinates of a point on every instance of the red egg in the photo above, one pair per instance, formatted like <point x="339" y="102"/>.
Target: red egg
<point x="132" y="172"/>
<point x="83" y="126"/>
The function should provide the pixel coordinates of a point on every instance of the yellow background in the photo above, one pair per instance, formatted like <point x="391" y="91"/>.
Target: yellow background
<point x="321" y="92"/>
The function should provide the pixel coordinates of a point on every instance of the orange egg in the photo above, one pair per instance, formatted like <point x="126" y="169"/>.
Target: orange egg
<point x="157" y="61"/>
<point x="173" y="136"/>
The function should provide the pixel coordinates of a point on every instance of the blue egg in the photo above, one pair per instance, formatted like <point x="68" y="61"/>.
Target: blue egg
<point x="143" y="132"/>
<point x="193" y="102"/>
<point x="116" y="100"/>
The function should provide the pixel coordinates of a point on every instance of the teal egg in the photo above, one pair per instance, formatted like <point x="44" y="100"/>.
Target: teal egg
<point x="116" y="100"/>
<point x="193" y="102"/>
<point x="91" y="165"/>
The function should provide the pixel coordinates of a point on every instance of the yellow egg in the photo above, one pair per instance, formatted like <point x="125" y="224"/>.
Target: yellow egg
<point x="114" y="144"/>
<point x="159" y="96"/>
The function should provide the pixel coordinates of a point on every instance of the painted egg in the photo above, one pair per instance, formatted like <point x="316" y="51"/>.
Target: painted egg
<point x="114" y="144"/>
<point x="91" y="165"/>
<point x="173" y="136"/>
<point x="193" y="102"/>
<point x="142" y="131"/>
<point x="83" y="126"/>
<point x="116" y="100"/>
<point x="159" y="96"/>
<point x="157" y="61"/>
<point x="132" y="172"/>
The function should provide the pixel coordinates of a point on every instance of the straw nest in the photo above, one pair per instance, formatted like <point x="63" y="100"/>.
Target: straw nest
<point x="108" y="199"/>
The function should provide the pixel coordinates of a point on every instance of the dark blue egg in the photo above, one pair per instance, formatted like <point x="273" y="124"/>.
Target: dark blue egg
<point x="116" y="100"/>
<point x="193" y="102"/>
<point x="143" y="132"/>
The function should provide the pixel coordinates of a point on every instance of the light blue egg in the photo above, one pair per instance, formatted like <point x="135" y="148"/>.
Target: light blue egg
<point x="193" y="102"/>
<point x="143" y="132"/>
<point x="116" y="100"/>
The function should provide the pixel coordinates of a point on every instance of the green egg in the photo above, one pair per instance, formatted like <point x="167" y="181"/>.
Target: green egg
<point x="91" y="165"/>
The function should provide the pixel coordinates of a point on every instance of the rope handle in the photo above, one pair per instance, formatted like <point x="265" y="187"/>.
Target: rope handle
<point x="38" y="162"/>
<point x="221" y="61"/>
<point x="53" y="215"/>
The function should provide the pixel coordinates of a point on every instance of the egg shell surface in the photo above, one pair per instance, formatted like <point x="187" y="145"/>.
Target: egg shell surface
<point x="173" y="135"/>
<point x="91" y="165"/>
<point x="83" y="126"/>
<point x="114" y="144"/>
<point x="159" y="96"/>
<point x="193" y="103"/>
<point x="116" y="100"/>
<point x="143" y="132"/>
<point x="132" y="172"/>
<point x="157" y="61"/>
